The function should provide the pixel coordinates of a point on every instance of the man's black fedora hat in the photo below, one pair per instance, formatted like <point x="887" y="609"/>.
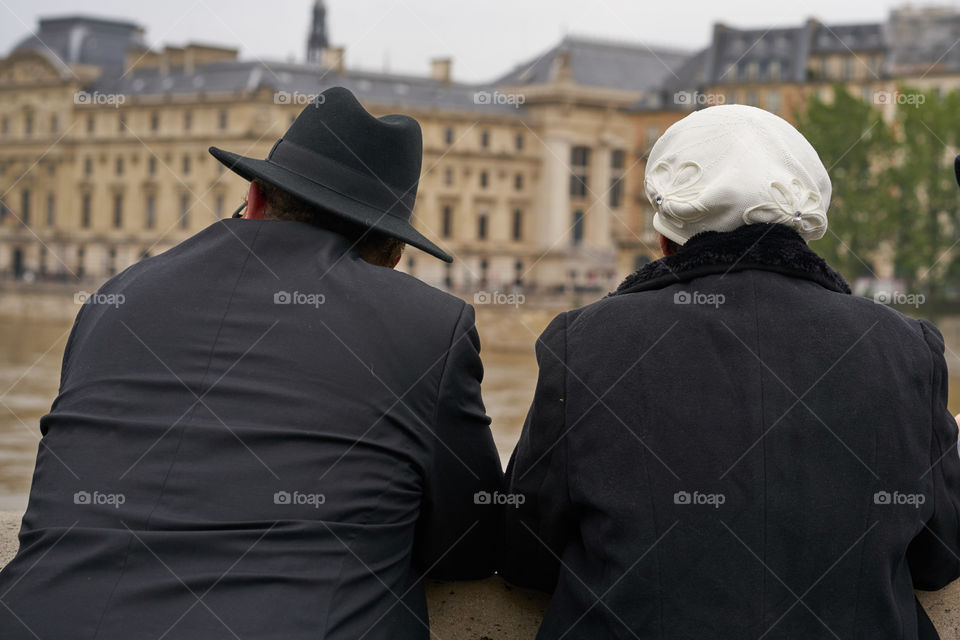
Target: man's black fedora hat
<point x="339" y="157"/>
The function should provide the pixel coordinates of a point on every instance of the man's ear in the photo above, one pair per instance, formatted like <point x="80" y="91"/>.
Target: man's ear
<point x="256" y="205"/>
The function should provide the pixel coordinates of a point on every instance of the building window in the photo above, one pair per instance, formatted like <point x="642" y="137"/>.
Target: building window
<point x="25" y="206"/>
<point x="187" y="120"/>
<point x="186" y="165"/>
<point x="773" y="101"/>
<point x="222" y="118"/>
<point x="81" y="254"/>
<point x="218" y="205"/>
<point x="518" y="182"/>
<point x="618" y="160"/>
<point x="88" y="166"/>
<point x="121" y="123"/>
<point x="518" y="273"/>
<point x="184" y="211"/>
<point x="751" y="98"/>
<point x="119" y="165"/>
<point x="578" y="224"/>
<point x="774" y="70"/>
<point x="485" y="139"/>
<point x="152" y="165"/>
<point x="5" y="126"/>
<point x="448" y="136"/>
<point x="151" y="218"/>
<point x="154" y="122"/>
<point x="518" y="142"/>
<point x="28" y="123"/>
<point x="518" y="225"/>
<point x="54" y="124"/>
<point x="118" y="211"/>
<point x="446" y="223"/>
<point x="482" y="226"/>
<point x="90" y="124"/>
<point x="85" y="211"/>
<point x="579" y="164"/>
<point x="51" y="209"/>
<point x="448" y="177"/>
<point x="848" y="68"/>
<point x="448" y="275"/>
<point x="484" y="179"/>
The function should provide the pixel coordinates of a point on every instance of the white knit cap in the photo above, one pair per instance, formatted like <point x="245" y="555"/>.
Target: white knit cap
<point x="731" y="165"/>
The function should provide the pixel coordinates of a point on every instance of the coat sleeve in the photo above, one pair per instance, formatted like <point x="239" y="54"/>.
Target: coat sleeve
<point x="535" y="532"/>
<point x="456" y="532"/>
<point x="934" y="554"/>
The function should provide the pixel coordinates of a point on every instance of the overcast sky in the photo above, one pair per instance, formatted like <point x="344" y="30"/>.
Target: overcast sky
<point x="485" y="37"/>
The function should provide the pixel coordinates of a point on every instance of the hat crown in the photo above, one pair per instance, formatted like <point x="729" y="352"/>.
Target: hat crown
<point x="335" y="125"/>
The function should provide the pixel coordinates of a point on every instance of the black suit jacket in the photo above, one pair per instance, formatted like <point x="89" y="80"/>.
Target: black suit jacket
<point x="734" y="447"/>
<point x="257" y="435"/>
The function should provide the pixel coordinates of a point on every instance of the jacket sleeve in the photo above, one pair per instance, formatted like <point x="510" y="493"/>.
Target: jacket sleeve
<point x="535" y="532"/>
<point x="456" y="532"/>
<point x="934" y="554"/>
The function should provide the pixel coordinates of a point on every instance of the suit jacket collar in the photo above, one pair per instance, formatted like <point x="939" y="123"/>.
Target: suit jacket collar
<point x="768" y="247"/>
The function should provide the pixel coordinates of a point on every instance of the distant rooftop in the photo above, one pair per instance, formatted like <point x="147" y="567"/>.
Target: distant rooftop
<point x="600" y="63"/>
<point x="82" y="39"/>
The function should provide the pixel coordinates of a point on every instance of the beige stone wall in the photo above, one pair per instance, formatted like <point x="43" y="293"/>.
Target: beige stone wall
<point x="98" y="152"/>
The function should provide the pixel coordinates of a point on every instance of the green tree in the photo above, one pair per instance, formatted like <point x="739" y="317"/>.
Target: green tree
<point x="856" y="146"/>
<point x="926" y="193"/>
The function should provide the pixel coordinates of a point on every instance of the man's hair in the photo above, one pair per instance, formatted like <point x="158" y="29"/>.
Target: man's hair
<point x="374" y="246"/>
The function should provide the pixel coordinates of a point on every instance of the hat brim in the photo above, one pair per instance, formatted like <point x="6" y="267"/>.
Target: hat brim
<point x="956" y="169"/>
<point x="336" y="203"/>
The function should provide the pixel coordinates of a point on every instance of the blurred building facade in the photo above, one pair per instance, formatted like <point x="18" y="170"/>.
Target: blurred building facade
<point x="533" y="180"/>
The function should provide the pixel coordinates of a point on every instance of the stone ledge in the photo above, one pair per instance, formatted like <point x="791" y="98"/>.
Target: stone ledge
<point x="494" y="610"/>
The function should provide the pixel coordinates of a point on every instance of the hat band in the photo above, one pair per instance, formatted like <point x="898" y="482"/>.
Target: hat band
<point x="335" y="176"/>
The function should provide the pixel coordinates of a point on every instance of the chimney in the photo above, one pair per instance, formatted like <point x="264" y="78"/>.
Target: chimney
<point x="440" y="69"/>
<point x="333" y="58"/>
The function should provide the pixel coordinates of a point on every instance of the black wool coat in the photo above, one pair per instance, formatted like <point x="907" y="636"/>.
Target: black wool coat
<point x="266" y="437"/>
<point x="732" y="446"/>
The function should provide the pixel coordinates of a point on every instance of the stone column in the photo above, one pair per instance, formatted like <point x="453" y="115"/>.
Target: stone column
<point x="599" y="233"/>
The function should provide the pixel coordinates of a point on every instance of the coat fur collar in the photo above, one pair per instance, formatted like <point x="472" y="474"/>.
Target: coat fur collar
<point x="769" y="247"/>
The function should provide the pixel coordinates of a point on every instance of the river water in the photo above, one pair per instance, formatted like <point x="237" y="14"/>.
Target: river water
<point x="31" y="350"/>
